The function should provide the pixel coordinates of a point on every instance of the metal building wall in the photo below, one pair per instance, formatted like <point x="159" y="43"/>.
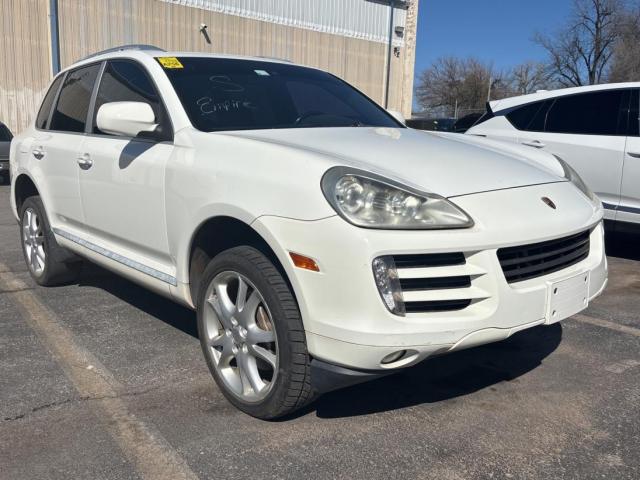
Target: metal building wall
<point x="364" y="19"/>
<point x="87" y="26"/>
<point x="25" y="69"/>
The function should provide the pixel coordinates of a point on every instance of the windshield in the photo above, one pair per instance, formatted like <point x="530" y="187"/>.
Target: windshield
<point x="233" y="94"/>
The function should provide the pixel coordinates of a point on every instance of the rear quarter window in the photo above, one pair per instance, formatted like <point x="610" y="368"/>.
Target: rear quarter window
<point x="47" y="103"/>
<point x="529" y="117"/>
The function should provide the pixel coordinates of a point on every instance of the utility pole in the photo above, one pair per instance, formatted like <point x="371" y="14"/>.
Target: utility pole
<point x="392" y="4"/>
<point x="489" y="91"/>
<point x="55" y="36"/>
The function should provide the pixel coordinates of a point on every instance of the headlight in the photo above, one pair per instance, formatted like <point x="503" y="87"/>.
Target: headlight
<point x="368" y="200"/>
<point x="571" y="175"/>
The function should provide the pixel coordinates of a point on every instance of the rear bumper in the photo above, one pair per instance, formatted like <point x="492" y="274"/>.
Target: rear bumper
<point x="345" y="319"/>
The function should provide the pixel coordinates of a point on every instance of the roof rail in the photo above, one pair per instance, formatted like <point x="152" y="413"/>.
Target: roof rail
<point x="122" y="48"/>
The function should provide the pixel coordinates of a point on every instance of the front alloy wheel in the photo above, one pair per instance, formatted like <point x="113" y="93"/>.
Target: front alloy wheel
<point x="252" y="335"/>
<point x="240" y="335"/>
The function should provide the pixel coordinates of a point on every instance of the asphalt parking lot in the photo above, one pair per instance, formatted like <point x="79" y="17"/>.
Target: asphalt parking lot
<point x="104" y="380"/>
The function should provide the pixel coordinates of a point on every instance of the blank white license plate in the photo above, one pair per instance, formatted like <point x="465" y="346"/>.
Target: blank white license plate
<point x="567" y="297"/>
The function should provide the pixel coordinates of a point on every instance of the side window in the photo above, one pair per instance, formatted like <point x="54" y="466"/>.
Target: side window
<point x="47" y="103"/>
<point x="126" y="81"/>
<point x="596" y="113"/>
<point x="70" y="114"/>
<point x="527" y="117"/>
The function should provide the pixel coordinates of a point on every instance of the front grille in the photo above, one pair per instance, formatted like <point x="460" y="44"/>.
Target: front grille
<point x="440" y="282"/>
<point x="534" y="260"/>
<point x="437" y="306"/>
<point x="429" y="260"/>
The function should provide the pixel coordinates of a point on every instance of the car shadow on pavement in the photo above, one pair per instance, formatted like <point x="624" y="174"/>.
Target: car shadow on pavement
<point x="445" y="377"/>
<point x="157" y="306"/>
<point x="432" y="381"/>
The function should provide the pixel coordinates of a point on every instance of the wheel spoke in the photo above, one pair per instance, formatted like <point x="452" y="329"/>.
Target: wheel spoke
<point x="241" y="297"/>
<point x="264" y="354"/>
<point x="218" y="341"/>
<point x="33" y="222"/>
<point x="40" y="256"/>
<point x="39" y="240"/>
<point x="226" y="355"/>
<point x="249" y="368"/>
<point x="248" y="314"/>
<point x="34" y="260"/>
<point x="221" y="313"/>
<point x="257" y="335"/>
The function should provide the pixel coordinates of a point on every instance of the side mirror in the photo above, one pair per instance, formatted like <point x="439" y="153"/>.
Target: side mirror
<point x="126" y="118"/>
<point x="398" y="116"/>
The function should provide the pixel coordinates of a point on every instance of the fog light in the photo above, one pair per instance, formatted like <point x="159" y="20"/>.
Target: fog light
<point x="386" y="277"/>
<point x="393" y="357"/>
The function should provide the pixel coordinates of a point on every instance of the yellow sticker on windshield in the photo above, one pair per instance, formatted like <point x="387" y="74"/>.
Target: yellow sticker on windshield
<point x="170" y="62"/>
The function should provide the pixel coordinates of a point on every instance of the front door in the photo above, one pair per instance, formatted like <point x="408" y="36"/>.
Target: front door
<point x="122" y="179"/>
<point x="629" y="208"/>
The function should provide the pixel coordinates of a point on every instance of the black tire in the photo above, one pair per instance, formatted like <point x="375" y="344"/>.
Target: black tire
<point x="291" y="389"/>
<point x="60" y="266"/>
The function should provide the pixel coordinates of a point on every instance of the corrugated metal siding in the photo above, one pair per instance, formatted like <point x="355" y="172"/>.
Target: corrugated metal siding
<point x="350" y="18"/>
<point x="25" y="69"/>
<point x="88" y="26"/>
<point x="94" y="25"/>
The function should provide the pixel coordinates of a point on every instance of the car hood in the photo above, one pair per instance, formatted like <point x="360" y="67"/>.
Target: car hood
<point x="448" y="165"/>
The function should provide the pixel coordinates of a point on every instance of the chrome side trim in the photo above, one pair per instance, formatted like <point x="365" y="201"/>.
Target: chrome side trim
<point x="624" y="208"/>
<point x="621" y="208"/>
<point x="152" y="272"/>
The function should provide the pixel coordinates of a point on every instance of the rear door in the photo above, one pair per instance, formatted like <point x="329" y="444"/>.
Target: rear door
<point x="629" y="208"/>
<point x="57" y="144"/>
<point x="588" y="131"/>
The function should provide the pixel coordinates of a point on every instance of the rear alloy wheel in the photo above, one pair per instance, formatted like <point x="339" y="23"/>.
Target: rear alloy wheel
<point x="48" y="263"/>
<point x="252" y="336"/>
<point x="33" y="242"/>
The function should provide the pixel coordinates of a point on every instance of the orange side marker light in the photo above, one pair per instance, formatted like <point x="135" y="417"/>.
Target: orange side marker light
<point x="303" y="262"/>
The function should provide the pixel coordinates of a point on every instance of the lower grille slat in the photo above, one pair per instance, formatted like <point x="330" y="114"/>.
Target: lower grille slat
<point x="436" y="306"/>
<point x="531" y="261"/>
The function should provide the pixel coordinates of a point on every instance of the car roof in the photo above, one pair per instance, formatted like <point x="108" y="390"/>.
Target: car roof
<point x="145" y="52"/>
<point x="505" y="103"/>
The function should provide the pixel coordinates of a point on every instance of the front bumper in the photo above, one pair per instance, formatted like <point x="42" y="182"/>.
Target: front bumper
<point x="345" y="320"/>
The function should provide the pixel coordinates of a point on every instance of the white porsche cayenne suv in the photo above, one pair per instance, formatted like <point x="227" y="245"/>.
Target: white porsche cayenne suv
<point x="595" y="129"/>
<point x="320" y="241"/>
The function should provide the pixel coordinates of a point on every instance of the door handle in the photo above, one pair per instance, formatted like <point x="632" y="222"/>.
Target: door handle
<point x="534" y="143"/>
<point x="85" y="162"/>
<point x="38" y="153"/>
<point x="634" y="154"/>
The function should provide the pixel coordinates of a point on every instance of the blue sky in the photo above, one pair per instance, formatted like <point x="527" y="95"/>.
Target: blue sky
<point x="499" y="31"/>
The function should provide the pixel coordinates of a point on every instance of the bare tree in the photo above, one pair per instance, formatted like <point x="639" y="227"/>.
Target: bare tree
<point x="625" y="63"/>
<point x="529" y="77"/>
<point x="452" y="85"/>
<point x="580" y="52"/>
